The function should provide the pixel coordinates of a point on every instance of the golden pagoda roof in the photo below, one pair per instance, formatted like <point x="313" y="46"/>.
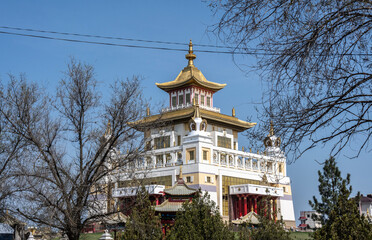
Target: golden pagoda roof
<point x="168" y="206"/>
<point x="190" y="75"/>
<point x="180" y="189"/>
<point x="187" y="113"/>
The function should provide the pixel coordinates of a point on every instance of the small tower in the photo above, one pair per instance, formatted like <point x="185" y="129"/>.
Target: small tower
<point x="272" y="143"/>
<point x="197" y="125"/>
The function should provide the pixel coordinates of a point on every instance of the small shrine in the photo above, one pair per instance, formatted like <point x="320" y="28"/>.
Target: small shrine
<point x="250" y="219"/>
<point x="175" y="197"/>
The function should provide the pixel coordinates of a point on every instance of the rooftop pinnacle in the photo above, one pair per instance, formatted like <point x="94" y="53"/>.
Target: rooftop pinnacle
<point x="190" y="56"/>
<point x="271" y="128"/>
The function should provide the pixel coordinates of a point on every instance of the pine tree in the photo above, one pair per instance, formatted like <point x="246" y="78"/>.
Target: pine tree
<point x="200" y="219"/>
<point x="143" y="223"/>
<point x="340" y="216"/>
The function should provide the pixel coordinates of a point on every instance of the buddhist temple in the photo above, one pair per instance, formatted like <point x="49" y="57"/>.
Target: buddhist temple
<point x="195" y="134"/>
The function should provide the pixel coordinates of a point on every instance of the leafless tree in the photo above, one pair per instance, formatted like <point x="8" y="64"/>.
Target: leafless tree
<point x="68" y="151"/>
<point x="316" y="58"/>
<point x="10" y="146"/>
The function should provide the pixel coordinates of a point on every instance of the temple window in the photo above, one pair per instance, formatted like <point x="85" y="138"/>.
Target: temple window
<point x="162" y="142"/>
<point x="188" y="100"/>
<point x="191" y="155"/>
<point x="174" y="101"/>
<point x="208" y="101"/>
<point x="224" y="142"/>
<point x="205" y="155"/>
<point x="280" y="168"/>
<point x="202" y="100"/>
<point x="179" y="140"/>
<point x="208" y="180"/>
<point x="196" y="98"/>
<point x="180" y="99"/>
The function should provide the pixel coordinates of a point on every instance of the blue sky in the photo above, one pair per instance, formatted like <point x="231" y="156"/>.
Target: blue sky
<point x="44" y="61"/>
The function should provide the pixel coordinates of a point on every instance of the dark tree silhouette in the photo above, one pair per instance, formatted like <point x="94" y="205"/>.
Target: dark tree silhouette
<point x="67" y="150"/>
<point x="316" y="58"/>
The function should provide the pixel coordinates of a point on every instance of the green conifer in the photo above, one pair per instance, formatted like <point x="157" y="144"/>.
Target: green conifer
<point x="200" y="219"/>
<point x="340" y="217"/>
<point x="143" y="223"/>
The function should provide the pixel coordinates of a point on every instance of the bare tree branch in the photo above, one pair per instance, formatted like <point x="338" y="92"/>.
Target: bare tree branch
<point x="315" y="57"/>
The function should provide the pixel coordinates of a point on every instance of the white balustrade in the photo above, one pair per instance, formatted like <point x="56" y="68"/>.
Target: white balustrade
<point x="168" y="109"/>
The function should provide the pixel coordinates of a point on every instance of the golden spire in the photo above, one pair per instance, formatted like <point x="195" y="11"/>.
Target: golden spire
<point x="147" y="111"/>
<point x="271" y="128"/>
<point x="196" y="107"/>
<point x="233" y="112"/>
<point x="190" y="56"/>
<point x="196" y="112"/>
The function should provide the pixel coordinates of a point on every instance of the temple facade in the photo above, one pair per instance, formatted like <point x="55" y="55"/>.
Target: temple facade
<point x="192" y="132"/>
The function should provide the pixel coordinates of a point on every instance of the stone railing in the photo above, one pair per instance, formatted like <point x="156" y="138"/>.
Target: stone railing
<point x="132" y="191"/>
<point x="168" y="109"/>
<point x="223" y="157"/>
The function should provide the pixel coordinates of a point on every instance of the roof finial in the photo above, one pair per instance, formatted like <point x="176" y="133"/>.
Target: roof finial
<point x="233" y="112"/>
<point x="271" y="128"/>
<point x="190" y="56"/>
<point x="196" y="111"/>
<point x="147" y="111"/>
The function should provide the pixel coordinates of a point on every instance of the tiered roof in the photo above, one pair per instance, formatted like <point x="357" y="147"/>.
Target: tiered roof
<point x="180" y="189"/>
<point x="183" y="115"/>
<point x="190" y="75"/>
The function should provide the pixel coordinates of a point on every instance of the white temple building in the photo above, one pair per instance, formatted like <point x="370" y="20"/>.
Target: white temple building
<point x="195" y="134"/>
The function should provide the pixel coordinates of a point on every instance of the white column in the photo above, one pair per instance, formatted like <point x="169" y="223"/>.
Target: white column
<point x="174" y="176"/>
<point x="220" y="191"/>
<point x="172" y="140"/>
<point x="153" y="161"/>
